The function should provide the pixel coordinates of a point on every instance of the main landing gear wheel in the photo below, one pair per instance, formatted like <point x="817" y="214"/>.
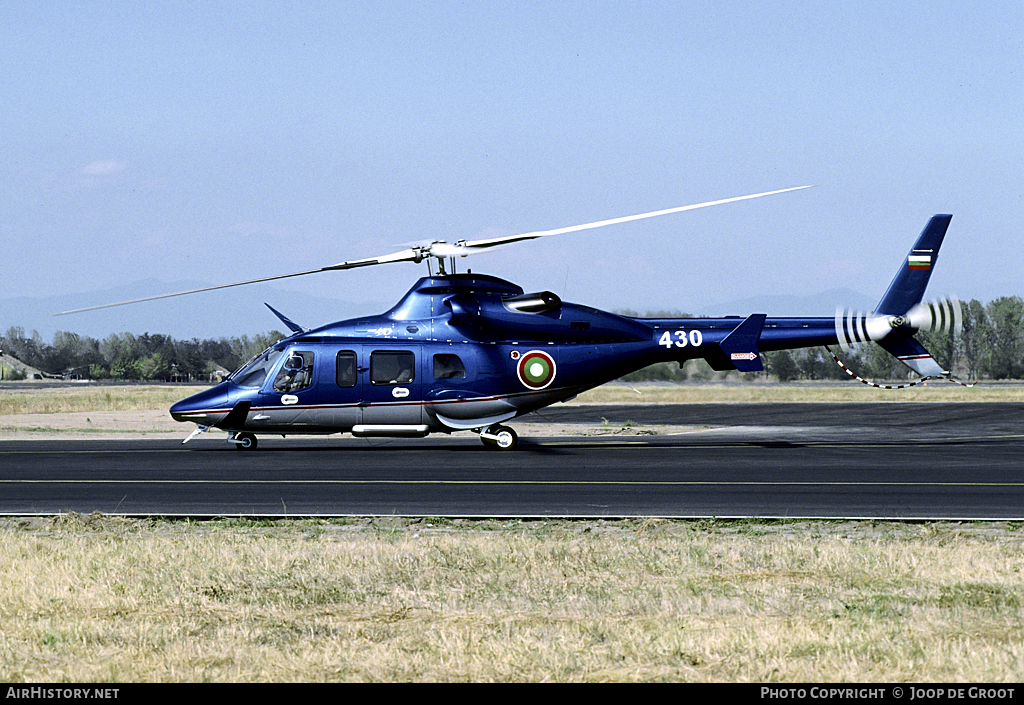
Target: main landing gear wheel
<point x="499" y="438"/>
<point x="245" y="441"/>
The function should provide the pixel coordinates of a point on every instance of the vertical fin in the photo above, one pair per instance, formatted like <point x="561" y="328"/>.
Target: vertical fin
<point x="907" y="287"/>
<point x="912" y="354"/>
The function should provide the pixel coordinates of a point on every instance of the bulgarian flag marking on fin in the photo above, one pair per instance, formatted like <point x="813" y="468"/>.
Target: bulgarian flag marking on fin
<point x="919" y="261"/>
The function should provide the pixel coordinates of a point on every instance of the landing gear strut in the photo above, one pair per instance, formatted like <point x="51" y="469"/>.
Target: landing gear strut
<point x="499" y="437"/>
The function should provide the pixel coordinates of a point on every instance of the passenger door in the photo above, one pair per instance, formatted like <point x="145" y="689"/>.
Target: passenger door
<point x="341" y="387"/>
<point x="392" y="387"/>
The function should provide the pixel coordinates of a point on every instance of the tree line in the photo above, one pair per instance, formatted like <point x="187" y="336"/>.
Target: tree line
<point x="990" y="346"/>
<point x="151" y="357"/>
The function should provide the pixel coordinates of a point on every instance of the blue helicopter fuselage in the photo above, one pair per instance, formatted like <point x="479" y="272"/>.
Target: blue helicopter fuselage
<point x="467" y="351"/>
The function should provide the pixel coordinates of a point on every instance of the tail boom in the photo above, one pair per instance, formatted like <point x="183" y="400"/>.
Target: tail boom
<point x="735" y="343"/>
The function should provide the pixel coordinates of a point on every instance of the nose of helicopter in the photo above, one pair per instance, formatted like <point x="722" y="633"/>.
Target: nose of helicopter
<point x="198" y="407"/>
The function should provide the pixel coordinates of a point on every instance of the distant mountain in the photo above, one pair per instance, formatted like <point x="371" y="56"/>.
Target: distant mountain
<point x="237" y="311"/>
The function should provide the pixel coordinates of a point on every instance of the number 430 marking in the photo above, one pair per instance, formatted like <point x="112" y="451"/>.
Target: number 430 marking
<point x="681" y="339"/>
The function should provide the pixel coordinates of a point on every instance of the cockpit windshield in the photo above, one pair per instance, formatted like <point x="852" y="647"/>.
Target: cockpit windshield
<point x="254" y="374"/>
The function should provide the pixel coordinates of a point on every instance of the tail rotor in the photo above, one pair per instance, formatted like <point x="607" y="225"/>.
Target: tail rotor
<point x="896" y="335"/>
<point x="942" y="315"/>
<point x="901" y="314"/>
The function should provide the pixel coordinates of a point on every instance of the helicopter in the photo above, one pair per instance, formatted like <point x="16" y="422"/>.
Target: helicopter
<point x="470" y="352"/>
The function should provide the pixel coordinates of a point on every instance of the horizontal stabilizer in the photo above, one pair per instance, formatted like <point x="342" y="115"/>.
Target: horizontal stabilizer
<point x="740" y="348"/>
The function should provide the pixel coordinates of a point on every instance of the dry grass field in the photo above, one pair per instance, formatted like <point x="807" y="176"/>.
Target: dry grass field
<point x="108" y="599"/>
<point x="93" y="598"/>
<point x="655" y="393"/>
<point x="18" y="398"/>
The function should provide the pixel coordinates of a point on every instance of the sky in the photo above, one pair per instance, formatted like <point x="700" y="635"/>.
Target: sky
<point x="148" y="145"/>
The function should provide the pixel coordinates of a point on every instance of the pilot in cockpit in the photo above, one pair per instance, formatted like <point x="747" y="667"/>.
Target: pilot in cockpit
<point x="294" y="375"/>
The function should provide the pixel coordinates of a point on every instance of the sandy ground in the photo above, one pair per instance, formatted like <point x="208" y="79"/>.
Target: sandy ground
<point x="124" y="425"/>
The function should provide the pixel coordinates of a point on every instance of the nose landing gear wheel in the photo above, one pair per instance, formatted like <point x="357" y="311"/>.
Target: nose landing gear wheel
<point x="499" y="438"/>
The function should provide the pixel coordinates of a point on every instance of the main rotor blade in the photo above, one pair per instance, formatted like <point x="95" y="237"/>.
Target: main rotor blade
<point x="490" y="242"/>
<point x="412" y="255"/>
<point x="441" y="250"/>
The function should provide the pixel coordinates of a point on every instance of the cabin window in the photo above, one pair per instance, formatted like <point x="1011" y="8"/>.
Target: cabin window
<point x="347" y="375"/>
<point x="447" y="366"/>
<point x="296" y="373"/>
<point x="392" y="367"/>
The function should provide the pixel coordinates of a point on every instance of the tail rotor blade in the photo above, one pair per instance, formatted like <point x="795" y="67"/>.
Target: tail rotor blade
<point x="921" y="316"/>
<point x="860" y="327"/>
<point x="854" y="328"/>
<point x="942" y="316"/>
<point x="952" y="316"/>
<point x="958" y="316"/>
<point x="841" y="336"/>
<point x="839" y="329"/>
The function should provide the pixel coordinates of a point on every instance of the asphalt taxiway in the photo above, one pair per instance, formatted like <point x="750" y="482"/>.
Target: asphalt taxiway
<point x="901" y="460"/>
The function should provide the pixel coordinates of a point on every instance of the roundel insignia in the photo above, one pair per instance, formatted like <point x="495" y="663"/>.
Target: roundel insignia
<point x="536" y="369"/>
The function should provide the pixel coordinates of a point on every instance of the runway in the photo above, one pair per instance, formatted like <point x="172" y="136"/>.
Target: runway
<point x="874" y="460"/>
